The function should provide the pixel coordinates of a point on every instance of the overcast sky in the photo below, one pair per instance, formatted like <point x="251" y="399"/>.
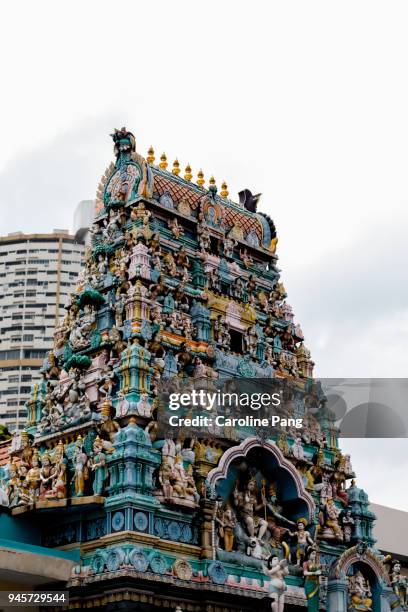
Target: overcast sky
<point x="305" y="102"/>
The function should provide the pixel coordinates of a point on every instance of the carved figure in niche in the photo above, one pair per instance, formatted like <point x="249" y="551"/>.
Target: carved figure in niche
<point x="123" y="405"/>
<point x="23" y="489"/>
<point x="102" y="265"/>
<point x="246" y="503"/>
<point x="184" y="358"/>
<point x="170" y="264"/>
<point x="169" y="451"/>
<point x="81" y="473"/>
<point x="204" y="239"/>
<point x="399" y="583"/>
<point x="33" y="478"/>
<point x="229" y="243"/>
<point x="347" y="522"/>
<point x="157" y="350"/>
<point x="237" y="290"/>
<point x="324" y="489"/>
<point x="119" y="305"/>
<point x="297" y="450"/>
<point x="360" y="593"/>
<point x="81" y="331"/>
<point x="59" y="481"/>
<point x="46" y="475"/>
<point x="187" y="327"/>
<point x="165" y="477"/>
<point x="175" y="228"/>
<point x="117" y="343"/>
<point x="106" y="383"/>
<point x="277" y="570"/>
<point x="183" y="484"/>
<point x="98" y="466"/>
<point x="143" y="406"/>
<point x="129" y="240"/>
<point x="331" y="527"/>
<point x="13" y="486"/>
<point x="221" y="332"/>
<point x="191" y="489"/>
<point x="312" y="570"/>
<point x="111" y="225"/>
<point x="168" y="303"/>
<point x="107" y="428"/>
<point x="246" y="258"/>
<point x="214" y="280"/>
<point x="303" y="540"/>
<point x="226" y="521"/>
<point x="348" y="468"/>
<point x="251" y="339"/>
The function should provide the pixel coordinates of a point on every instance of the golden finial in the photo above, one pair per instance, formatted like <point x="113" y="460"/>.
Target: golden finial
<point x="224" y="190"/>
<point x="176" y="167"/>
<point x="150" y="156"/>
<point x="200" y="178"/>
<point x="106" y="408"/>
<point x="188" y="176"/>
<point x="163" y="161"/>
<point x="212" y="181"/>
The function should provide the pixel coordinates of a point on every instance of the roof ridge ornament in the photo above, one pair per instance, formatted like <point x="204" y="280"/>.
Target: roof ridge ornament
<point x="124" y="142"/>
<point x="249" y="201"/>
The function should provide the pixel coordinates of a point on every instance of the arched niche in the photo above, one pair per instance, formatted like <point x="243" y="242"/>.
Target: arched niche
<point x="264" y="461"/>
<point x="363" y="560"/>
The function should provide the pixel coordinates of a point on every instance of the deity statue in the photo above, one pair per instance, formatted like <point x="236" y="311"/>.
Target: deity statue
<point x="106" y="383"/>
<point x="33" y="478"/>
<point x="331" y="527"/>
<point x="226" y="521"/>
<point x="143" y="406"/>
<point x="251" y="339"/>
<point x="81" y="473"/>
<point x="303" y="540"/>
<point x="82" y="328"/>
<point x="246" y="258"/>
<point x="170" y="264"/>
<point x="98" y="467"/>
<point x="312" y="571"/>
<point x="47" y="472"/>
<point x="229" y="243"/>
<point x="247" y="505"/>
<point x="297" y="449"/>
<point x="165" y="478"/>
<point x="277" y="570"/>
<point x="203" y="236"/>
<point x="175" y="228"/>
<point x="123" y="405"/>
<point x="59" y="481"/>
<point x="399" y="583"/>
<point x="360" y="593"/>
<point x="347" y="523"/>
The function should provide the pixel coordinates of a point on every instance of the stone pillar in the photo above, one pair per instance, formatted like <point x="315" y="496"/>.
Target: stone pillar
<point x="337" y="596"/>
<point x="208" y="511"/>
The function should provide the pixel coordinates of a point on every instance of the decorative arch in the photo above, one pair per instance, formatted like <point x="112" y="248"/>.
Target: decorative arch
<point x="361" y="555"/>
<point x="242" y="450"/>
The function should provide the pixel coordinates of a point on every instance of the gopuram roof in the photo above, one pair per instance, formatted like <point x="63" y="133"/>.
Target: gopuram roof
<point x="180" y="292"/>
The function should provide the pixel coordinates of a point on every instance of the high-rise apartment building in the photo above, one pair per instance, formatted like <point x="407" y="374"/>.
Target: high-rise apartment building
<point x="37" y="273"/>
